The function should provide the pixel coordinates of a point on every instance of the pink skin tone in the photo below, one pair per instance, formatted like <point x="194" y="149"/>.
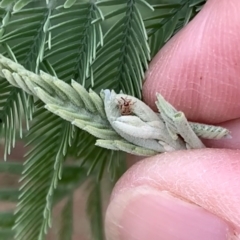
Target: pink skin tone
<point x="192" y="194"/>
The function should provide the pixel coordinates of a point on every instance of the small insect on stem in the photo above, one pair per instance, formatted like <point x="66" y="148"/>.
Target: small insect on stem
<point x="125" y="106"/>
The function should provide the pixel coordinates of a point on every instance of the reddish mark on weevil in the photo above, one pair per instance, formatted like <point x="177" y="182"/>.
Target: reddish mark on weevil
<point x="125" y="106"/>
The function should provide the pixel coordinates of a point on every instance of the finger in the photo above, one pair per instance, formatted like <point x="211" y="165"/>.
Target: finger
<point x="198" y="69"/>
<point x="182" y="195"/>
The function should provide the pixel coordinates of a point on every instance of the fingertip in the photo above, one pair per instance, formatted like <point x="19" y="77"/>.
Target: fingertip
<point x="197" y="70"/>
<point x="207" y="178"/>
<point x="146" y="213"/>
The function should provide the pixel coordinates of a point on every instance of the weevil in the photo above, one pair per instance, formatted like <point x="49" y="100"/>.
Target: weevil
<point x="125" y="106"/>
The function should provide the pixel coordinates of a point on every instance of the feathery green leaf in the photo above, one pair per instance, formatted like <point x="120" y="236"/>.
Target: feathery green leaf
<point x="121" y="62"/>
<point x="13" y="104"/>
<point x="75" y="40"/>
<point x="168" y="19"/>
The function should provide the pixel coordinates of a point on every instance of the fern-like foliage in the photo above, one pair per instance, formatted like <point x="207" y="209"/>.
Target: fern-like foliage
<point x="100" y="44"/>
<point x="74" y="40"/>
<point x="121" y="62"/>
<point x="13" y="102"/>
<point x="169" y="19"/>
<point x="47" y="156"/>
<point x="72" y="177"/>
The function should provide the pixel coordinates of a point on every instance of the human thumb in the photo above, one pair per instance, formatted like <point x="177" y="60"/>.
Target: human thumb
<point x="184" y="195"/>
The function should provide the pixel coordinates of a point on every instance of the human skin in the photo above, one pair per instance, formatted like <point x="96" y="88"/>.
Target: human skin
<point x="193" y="194"/>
